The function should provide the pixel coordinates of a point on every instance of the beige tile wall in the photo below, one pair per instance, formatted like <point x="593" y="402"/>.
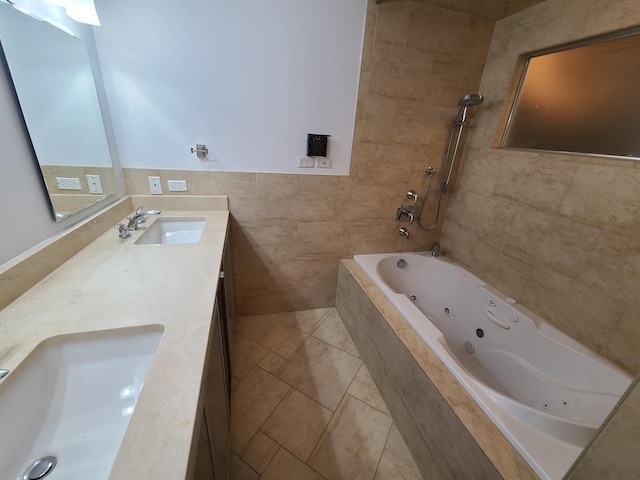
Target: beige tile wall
<point x="614" y="452"/>
<point x="560" y="233"/>
<point x="107" y="178"/>
<point x="289" y="231"/>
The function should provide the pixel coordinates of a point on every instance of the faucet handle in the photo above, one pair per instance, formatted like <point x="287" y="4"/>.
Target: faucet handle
<point x="123" y="230"/>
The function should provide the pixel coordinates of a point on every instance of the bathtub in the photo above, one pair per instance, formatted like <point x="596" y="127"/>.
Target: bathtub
<point x="547" y="393"/>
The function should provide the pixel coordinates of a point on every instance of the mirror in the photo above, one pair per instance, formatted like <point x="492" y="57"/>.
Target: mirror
<point x="582" y="99"/>
<point x="54" y="84"/>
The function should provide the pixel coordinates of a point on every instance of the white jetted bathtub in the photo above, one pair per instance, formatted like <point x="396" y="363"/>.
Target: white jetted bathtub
<point x="547" y="393"/>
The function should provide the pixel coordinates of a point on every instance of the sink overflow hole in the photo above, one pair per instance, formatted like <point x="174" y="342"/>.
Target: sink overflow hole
<point x="40" y="468"/>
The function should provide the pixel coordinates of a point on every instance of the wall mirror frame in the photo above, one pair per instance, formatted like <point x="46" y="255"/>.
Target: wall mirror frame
<point x="55" y="88"/>
<point x="578" y="98"/>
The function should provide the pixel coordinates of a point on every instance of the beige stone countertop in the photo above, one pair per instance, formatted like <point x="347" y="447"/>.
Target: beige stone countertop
<point x="114" y="284"/>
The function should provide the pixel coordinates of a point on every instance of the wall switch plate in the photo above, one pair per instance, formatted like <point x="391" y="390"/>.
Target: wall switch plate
<point x="177" y="185"/>
<point x="155" y="187"/>
<point x="305" y="162"/>
<point x="68" y="183"/>
<point x="324" y="162"/>
<point x="95" y="185"/>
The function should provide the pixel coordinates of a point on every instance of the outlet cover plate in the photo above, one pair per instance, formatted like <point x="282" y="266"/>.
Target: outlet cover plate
<point x="324" y="162"/>
<point x="155" y="187"/>
<point x="177" y="185"/>
<point x="65" y="183"/>
<point x="95" y="185"/>
<point x="305" y="162"/>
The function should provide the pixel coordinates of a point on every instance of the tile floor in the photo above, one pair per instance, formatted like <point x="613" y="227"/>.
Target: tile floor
<point x="304" y="406"/>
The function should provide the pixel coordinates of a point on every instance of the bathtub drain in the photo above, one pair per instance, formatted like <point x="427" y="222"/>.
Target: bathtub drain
<point x="413" y="298"/>
<point x="40" y="468"/>
<point x="469" y="347"/>
<point x="447" y="311"/>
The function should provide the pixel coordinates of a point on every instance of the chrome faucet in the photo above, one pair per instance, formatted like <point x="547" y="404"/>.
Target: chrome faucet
<point x="435" y="249"/>
<point x="123" y="230"/>
<point x="138" y="217"/>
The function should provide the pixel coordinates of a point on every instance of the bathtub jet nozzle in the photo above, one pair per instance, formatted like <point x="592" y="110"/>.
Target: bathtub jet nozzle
<point x="469" y="347"/>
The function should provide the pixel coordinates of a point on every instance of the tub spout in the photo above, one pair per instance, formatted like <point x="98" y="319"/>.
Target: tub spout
<point x="435" y="249"/>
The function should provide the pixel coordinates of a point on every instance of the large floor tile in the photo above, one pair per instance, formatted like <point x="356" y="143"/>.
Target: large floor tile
<point x="238" y="470"/>
<point x="253" y="399"/>
<point x="246" y="355"/>
<point x="396" y="461"/>
<point x="353" y="443"/>
<point x="306" y="320"/>
<point x="333" y="331"/>
<point x="255" y="326"/>
<point x="285" y="466"/>
<point x="272" y="362"/>
<point x="364" y="389"/>
<point x="297" y="424"/>
<point x="320" y="371"/>
<point x="283" y="339"/>
<point x="259" y="452"/>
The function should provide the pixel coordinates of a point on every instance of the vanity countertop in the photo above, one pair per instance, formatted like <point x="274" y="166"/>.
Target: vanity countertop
<point x="112" y="284"/>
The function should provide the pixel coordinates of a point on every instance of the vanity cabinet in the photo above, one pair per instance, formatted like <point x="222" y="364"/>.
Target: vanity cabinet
<point x="213" y="450"/>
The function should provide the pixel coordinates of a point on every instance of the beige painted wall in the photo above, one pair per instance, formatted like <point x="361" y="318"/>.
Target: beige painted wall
<point x="289" y="231"/>
<point x="560" y="233"/>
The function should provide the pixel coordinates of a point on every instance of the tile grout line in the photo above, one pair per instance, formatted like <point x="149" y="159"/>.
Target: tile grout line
<point x="325" y="430"/>
<point x="282" y="447"/>
<point x="364" y="401"/>
<point x="383" y="450"/>
<point x="291" y="388"/>
<point x="247" y="465"/>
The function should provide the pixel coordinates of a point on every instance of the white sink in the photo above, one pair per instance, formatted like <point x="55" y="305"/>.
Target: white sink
<point x="172" y="230"/>
<point x="73" y="400"/>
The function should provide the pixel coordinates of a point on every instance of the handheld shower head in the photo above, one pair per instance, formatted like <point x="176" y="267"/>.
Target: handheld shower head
<point x="471" y="100"/>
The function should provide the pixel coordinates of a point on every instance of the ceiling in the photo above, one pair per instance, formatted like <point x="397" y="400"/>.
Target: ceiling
<point x="494" y="9"/>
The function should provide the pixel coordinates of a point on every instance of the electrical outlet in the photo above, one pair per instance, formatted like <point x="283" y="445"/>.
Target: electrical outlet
<point x="155" y="187"/>
<point x="95" y="185"/>
<point x="305" y="162"/>
<point x="68" y="183"/>
<point x="324" y="162"/>
<point x="177" y="185"/>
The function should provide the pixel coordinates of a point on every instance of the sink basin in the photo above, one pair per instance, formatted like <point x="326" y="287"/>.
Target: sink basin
<point x="73" y="400"/>
<point x="172" y="230"/>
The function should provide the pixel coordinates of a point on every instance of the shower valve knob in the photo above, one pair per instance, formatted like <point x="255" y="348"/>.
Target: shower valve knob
<point x="406" y="213"/>
<point x="413" y="196"/>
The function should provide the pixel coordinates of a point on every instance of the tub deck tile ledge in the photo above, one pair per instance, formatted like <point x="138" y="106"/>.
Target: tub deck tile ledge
<point x="497" y="448"/>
